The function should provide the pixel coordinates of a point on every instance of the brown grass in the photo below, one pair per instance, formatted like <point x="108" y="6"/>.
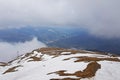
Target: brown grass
<point x="61" y="49"/>
<point x="89" y="72"/>
<point x="67" y="79"/>
<point x="28" y="54"/>
<point x="12" y="60"/>
<point x="57" y="51"/>
<point x="21" y="58"/>
<point x="34" y="58"/>
<point x="105" y="53"/>
<point x="88" y="59"/>
<point x="74" y="51"/>
<point x="13" y="69"/>
<point x="3" y="64"/>
<point x="53" y="51"/>
<point x="50" y="48"/>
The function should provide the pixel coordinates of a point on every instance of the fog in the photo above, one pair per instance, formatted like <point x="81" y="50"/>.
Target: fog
<point x="9" y="51"/>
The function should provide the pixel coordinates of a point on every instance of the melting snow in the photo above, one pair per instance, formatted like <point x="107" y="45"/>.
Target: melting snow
<point x="39" y="70"/>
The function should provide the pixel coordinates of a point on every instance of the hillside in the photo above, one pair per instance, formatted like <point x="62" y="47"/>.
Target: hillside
<point x="62" y="64"/>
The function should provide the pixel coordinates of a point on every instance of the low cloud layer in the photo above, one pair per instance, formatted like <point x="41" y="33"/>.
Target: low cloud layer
<point x="9" y="51"/>
<point x="100" y="17"/>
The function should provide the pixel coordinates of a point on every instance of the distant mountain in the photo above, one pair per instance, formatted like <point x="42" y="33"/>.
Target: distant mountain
<point x="87" y="41"/>
<point x="67" y="37"/>
<point x="45" y="34"/>
<point x="62" y="64"/>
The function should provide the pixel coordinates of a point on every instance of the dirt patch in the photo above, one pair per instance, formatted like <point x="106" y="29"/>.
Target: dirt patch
<point x="89" y="72"/>
<point x="13" y="69"/>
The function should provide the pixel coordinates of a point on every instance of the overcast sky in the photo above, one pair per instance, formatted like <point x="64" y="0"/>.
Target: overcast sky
<point x="100" y="17"/>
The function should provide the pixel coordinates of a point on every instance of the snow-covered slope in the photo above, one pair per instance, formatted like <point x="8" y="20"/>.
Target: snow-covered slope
<point x="62" y="64"/>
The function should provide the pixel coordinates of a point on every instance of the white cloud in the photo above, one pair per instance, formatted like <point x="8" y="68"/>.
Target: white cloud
<point x="9" y="51"/>
<point x="100" y="17"/>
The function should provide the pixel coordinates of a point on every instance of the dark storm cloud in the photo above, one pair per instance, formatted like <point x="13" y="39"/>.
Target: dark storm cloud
<point x="100" y="17"/>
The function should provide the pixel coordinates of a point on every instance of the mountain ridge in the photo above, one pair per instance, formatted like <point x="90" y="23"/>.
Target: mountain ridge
<point x="61" y="64"/>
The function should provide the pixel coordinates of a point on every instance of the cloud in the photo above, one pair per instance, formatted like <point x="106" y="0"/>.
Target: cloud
<point x="9" y="51"/>
<point x="99" y="17"/>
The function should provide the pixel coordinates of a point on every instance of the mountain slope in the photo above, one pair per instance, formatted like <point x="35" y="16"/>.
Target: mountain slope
<point x="62" y="64"/>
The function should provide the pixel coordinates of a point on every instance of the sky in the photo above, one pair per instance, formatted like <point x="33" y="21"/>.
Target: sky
<point x="9" y="51"/>
<point x="100" y="17"/>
